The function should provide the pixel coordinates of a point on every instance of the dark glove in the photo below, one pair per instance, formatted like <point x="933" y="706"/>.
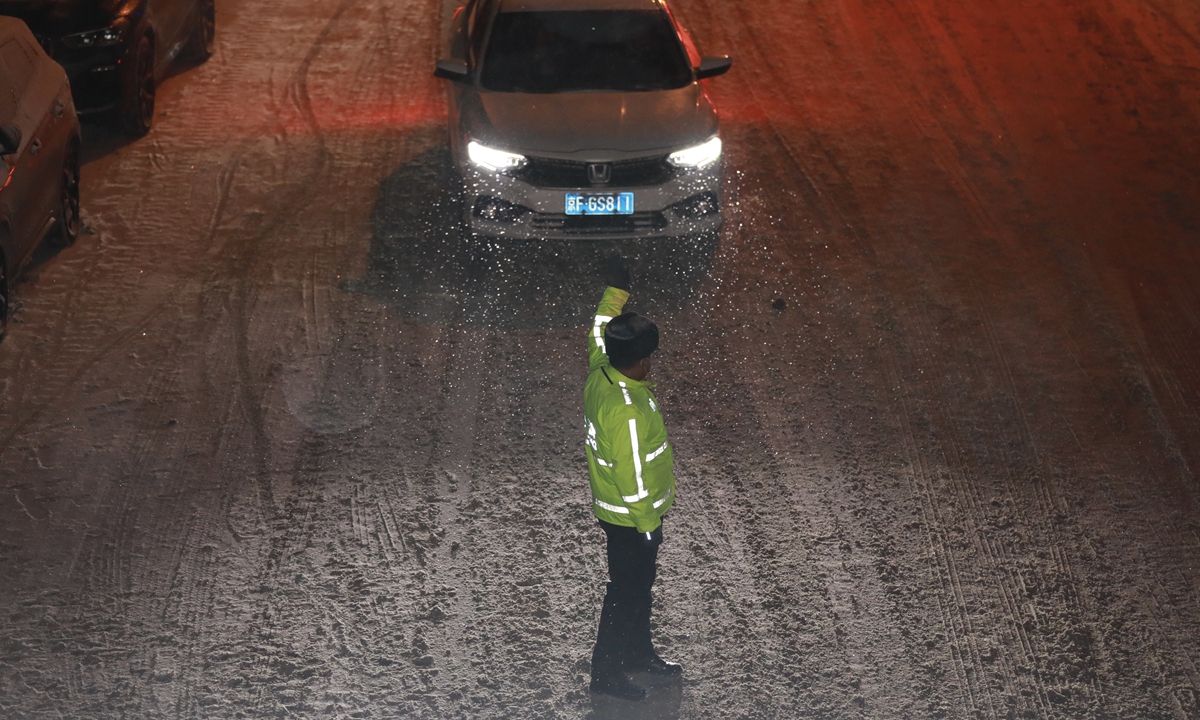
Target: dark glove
<point x="616" y="274"/>
<point x="651" y="539"/>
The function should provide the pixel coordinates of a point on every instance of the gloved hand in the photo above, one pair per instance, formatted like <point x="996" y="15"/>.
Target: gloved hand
<point x="652" y="539"/>
<point x="616" y="273"/>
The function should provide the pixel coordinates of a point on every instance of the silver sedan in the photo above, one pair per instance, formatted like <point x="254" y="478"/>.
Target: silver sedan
<point x="578" y="118"/>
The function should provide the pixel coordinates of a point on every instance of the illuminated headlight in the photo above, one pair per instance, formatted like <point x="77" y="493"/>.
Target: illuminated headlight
<point x="494" y="159"/>
<point x="93" y="38"/>
<point x="698" y="156"/>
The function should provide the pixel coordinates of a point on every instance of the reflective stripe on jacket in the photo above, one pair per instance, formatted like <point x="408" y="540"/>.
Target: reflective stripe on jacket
<point x="630" y="461"/>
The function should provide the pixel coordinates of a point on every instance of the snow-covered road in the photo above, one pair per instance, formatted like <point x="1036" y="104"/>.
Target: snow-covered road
<point x="275" y="441"/>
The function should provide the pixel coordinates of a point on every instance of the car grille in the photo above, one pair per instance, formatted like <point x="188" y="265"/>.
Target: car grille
<point x="555" y="173"/>
<point x="600" y="224"/>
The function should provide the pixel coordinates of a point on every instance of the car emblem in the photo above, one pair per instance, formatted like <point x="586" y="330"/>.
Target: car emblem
<point x="599" y="173"/>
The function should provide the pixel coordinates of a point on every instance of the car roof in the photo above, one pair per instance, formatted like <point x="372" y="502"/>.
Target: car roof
<point x="553" y="5"/>
<point x="13" y="27"/>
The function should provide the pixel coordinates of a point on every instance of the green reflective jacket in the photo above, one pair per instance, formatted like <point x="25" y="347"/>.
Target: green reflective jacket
<point x="630" y="462"/>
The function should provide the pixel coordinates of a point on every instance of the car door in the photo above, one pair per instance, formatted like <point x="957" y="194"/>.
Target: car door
<point x="11" y="188"/>
<point x="32" y="186"/>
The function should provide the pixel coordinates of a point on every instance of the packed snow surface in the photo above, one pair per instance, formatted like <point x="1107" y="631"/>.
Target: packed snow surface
<point x="277" y="441"/>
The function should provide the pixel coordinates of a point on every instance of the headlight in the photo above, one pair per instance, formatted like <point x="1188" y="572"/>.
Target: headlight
<point x="698" y="156"/>
<point x="104" y="37"/>
<point x="493" y="159"/>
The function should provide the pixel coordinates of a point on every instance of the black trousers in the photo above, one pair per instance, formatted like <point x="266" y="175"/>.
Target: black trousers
<point x="623" y="638"/>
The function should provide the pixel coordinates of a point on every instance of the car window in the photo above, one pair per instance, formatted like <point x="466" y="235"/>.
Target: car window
<point x="18" y="65"/>
<point x="15" y="71"/>
<point x="584" y="51"/>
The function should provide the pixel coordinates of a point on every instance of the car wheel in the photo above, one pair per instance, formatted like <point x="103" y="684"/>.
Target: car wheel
<point x="204" y="33"/>
<point x="138" y="109"/>
<point x="3" y="298"/>
<point x="68" y="219"/>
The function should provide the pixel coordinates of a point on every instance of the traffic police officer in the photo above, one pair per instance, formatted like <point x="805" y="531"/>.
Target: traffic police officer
<point x="631" y="468"/>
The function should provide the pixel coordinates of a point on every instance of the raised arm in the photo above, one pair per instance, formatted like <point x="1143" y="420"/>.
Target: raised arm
<point x="616" y="275"/>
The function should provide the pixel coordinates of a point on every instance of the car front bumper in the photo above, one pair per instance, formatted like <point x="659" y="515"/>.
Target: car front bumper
<point x="97" y="88"/>
<point x="94" y="74"/>
<point x="500" y="205"/>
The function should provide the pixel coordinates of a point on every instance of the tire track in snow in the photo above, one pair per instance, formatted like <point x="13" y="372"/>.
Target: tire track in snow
<point x="322" y="339"/>
<point x="108" y="572"/>
<point x="970" y="196"/>
<point x="1052" y="499"/>
<point x="453" y="475"/>
<point x="839" y="227"/>
<point x="186" y="587"/>
<point x="296" y="93"/>
<point x="846" y="224"/>
<point x="227" y="292"/>
<point x="374" y="523"/>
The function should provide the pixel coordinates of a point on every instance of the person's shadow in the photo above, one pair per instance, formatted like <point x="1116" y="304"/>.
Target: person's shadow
<point x="422" y="263"/>
<point x="662" y="701"/>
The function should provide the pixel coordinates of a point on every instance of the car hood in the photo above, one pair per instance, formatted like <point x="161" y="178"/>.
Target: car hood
<point x="62" y="17"/>
<point x="609" y="124"/>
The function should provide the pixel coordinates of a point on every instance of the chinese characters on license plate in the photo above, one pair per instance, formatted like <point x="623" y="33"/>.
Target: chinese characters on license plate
<point x="608" y="204"/>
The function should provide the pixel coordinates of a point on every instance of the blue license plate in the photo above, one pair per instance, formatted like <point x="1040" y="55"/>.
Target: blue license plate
<point x="600" y="203"/>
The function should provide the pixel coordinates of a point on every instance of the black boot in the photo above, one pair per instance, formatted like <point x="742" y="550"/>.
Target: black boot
<point x="618" y="686"/>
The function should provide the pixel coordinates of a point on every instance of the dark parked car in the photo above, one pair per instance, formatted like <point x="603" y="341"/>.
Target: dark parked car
<point x="39" y="154"/>
<point x="114" y="51"/>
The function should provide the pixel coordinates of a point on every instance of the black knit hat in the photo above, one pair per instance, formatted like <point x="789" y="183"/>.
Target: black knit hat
<point x="628" y="338"/>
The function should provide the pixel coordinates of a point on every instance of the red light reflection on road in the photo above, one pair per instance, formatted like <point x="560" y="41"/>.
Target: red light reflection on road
<point x="412" y="112"/>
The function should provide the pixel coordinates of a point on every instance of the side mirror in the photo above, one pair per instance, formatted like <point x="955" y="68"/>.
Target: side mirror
<point x="10" y="139"/>
<point x="455" y="70"/>
<point x="713" y="66"/>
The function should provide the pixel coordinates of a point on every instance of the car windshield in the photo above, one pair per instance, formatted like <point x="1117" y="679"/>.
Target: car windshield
<point x="584" y="51"/>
